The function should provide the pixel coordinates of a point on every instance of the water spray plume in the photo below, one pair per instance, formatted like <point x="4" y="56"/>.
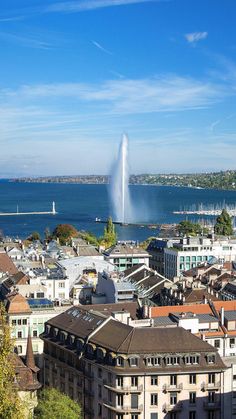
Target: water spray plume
<point x="119" y="185"/>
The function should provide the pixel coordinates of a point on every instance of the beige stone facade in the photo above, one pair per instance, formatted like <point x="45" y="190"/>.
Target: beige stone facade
<point x="116" y="371"/>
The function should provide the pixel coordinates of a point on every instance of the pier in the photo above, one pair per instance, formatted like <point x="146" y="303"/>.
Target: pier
<point x="52" y="212"/>
<point x="141" y="225"/>
<point x="215" y="212"/>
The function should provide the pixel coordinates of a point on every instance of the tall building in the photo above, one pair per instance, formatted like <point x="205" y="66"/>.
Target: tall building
<point x="117" y="371"/>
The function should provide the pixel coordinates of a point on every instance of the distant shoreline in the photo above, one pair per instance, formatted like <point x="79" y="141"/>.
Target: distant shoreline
<point x="216" y="180"/>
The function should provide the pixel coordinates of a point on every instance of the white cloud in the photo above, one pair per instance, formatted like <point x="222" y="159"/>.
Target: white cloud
<point x="126" y="96"/>
<point x="83" y="5"/>
<point x="99" y="46"/>
<point x="194" y="37"/>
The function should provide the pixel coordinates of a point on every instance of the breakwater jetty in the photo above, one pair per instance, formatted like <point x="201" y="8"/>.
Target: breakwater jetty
<point x="52" y="212"/>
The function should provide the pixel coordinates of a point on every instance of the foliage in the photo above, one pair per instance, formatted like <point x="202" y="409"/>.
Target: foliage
<point x="187" y="228"/>
<point x="64" y="232"/>
<point x="109" y="237"/>
<point x="47" y="233"/>
<point x="34" y="236"/>
<point x="89" y="237"/>
<point x="10" y="405"/>
<point x="223" y="225"/>
<point x="54" y="405"/>
<point x="144" y="245"/>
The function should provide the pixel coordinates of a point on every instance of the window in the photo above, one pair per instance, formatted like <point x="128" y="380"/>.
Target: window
<point x="119" y="362"/>
<point x="154" y="399"/>
<point x="211" y="414"/>
<point x="133" y="416"/>
<point x="154" y="380"/>
<point x="154" y="416"/>
<point x="134" y="381"/>
<point x="217" y="343"/>
<point x="19" y="322"/>
<point x="13" y="322"/>
<point x="19" y="349"/>
<point x="40" y="294"/>
<point x="119" y="399"/>
<point x="211" y="359"/>
<point x="232" y="342"/>
<point x="211" y="378"/>
<point x="133" y="362"/>
<point x="192" y="397"/>
<point x="99" y="391"/>
<point x="192" y="359"/>
<point x="109" y="393"/>
<point x="211" y="397"/>
<point x="61" y="284"/>
<point x="61" y="295"/>
<point x="173" y="398"/>
<point x="173" y="415"/>
<point x="24" y="322"/>
<point x="156" y="361"/>
<point x="119" y="381"/>
<point x="35" y="333"/>
<point x="173" y="380"/>
<point x="192" y="379"/>
<point x="99" y="409"/>
<point x="19" y="335"/>
<point x="192" y="414"/>
<point x="35" y="347"/>
<point x="99" y="373"/>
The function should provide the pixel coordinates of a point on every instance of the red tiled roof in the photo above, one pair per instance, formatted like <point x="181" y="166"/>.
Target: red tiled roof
<point x="6" y="264"/>
<point x="194" y="308"/>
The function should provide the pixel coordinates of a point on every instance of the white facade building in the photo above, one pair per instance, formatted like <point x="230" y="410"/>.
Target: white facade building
<point x="192" y="251"/>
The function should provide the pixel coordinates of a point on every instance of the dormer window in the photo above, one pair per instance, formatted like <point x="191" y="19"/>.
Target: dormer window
<point x="192" y="359"/>
<point x="154" y="361"/>
<point x="120" y="361"/>
<point x="101" y="352"/>
<point x="211" y="359"/>
<point x="172" y="360"/>
<point x="133" y="361"/>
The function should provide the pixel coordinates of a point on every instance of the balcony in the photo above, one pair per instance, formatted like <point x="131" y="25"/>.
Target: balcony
<point x="172" y="407"/>
<point x="123" y="408"/>
<point x="123" y="389"/>
<point x="210" y="386"/>
<point x="211" y="405"/>
<point x="172" y="387"/>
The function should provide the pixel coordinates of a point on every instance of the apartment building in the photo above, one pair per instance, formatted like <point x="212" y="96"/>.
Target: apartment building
<point x="29" y="315"/>
<point x="124" y="255"/>
<point x="192" y="251"/>
<point x="116" y="371"/>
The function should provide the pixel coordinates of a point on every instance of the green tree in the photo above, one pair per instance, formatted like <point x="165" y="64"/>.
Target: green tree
<point x="10" y="405"/>
<point x="187" y="228"/>
<point x="64" y="232"/>
<point x="223" y="225"/>
<point x="89" y="237"/>
<point x="54" y="405"/>
<point x="34" y="236"/>
<point x="109" y="238"/>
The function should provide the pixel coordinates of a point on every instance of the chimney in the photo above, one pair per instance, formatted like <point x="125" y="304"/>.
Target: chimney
<point x="222" y="315"/>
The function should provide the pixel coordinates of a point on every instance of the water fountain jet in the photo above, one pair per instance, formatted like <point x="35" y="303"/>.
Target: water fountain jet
<point x="119" y="185"/>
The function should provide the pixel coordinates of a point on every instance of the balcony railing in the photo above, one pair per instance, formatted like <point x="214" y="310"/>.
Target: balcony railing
<point x="124" y="389"/>
<point x="123" y="408"/>
<point x="172" y="407"/>
<point x="211" y="405"/>
<point x="210" y="386"/>
<point x="172" y="387"/>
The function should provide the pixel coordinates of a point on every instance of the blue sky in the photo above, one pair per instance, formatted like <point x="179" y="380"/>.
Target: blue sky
<point x="74" y="75"/>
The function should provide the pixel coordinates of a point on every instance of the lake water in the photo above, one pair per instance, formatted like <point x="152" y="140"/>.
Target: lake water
<point x="81" y="204"/>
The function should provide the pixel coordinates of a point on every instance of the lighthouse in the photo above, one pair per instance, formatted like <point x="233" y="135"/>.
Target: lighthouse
<point x="53" y="208"/>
